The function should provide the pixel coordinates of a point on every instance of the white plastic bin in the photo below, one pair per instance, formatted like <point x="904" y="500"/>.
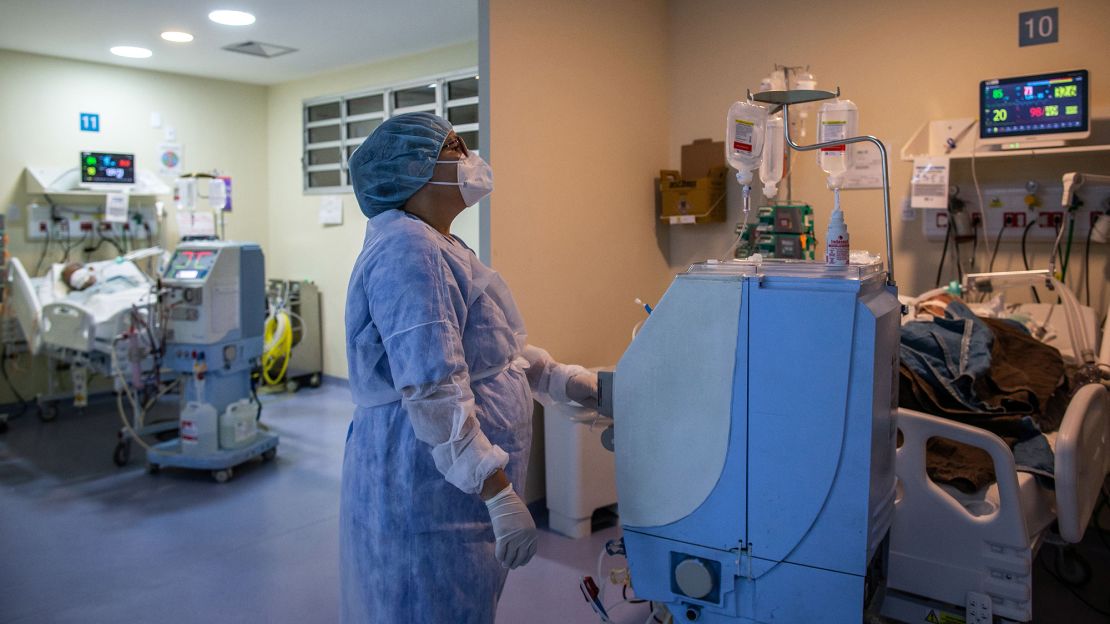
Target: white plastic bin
<point x="580" y="472"/>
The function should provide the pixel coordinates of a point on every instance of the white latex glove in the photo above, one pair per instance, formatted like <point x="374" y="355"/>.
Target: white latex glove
<point x="552" y="382"/>
<point x="513" y="527"/>
<point x="582" y="389"/>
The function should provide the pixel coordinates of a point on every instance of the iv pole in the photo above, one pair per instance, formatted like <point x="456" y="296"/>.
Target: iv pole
<point x="783" y="100"/>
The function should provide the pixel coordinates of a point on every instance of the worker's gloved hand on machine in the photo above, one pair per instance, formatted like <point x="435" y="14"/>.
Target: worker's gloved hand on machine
<point x="553" y="382"/>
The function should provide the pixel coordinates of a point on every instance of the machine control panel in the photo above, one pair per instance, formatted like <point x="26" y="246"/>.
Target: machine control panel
<point x="215" y="290"/>
<point x="192" y="264"/>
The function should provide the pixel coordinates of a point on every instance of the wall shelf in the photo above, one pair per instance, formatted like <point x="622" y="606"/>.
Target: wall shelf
<point x="919" y="143"/>
<point x="62" y="183"/>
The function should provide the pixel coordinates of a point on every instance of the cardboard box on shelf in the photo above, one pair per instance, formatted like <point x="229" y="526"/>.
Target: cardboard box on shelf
<point x="697" y="194"/>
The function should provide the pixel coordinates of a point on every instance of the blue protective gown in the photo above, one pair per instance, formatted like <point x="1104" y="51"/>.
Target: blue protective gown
<point x="428" y="325"/>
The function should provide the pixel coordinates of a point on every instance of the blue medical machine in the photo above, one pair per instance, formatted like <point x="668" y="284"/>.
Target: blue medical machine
<point x="754" y="436"/>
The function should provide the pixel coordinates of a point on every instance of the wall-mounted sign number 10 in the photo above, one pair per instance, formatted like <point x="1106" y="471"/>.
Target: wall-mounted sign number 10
<point x="1037" y="27"/>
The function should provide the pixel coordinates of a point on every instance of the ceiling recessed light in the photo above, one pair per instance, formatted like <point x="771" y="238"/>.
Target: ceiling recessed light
<point x="231" y="18"/>
<point x="177" y="36"/>
<point x="130" y="52"/>
<point x="432" y="86"/>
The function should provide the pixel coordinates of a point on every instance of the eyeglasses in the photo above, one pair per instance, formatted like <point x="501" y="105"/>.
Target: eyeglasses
<point x="456" y="144"/>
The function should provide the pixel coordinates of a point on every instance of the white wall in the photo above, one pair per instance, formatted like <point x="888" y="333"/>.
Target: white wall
<point x="220" y="124"/>
<point x="300" y="248"/>
<point x="903" y="63"/>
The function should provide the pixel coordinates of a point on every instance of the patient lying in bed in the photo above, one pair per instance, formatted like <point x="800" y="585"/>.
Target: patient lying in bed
<point x="989" y="373"/>
<point x="104" y="277"/>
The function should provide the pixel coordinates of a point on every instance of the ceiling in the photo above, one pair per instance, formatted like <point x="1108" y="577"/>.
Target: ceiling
<point x="328" y="34"/>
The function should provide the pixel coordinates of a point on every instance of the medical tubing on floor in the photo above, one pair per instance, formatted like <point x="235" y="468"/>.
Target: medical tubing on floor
<point x="601" y="579"/>
<point x="278" y="338"/>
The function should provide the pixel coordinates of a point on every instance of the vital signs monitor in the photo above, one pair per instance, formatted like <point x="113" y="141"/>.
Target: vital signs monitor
<point x="1034" y="111"/>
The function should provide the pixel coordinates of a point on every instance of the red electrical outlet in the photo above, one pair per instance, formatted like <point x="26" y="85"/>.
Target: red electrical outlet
<point x="1013" y="219"/>
<point x="976" y="219"/>
<point x="1050" y="220"/>
<point x="86" y="226"/>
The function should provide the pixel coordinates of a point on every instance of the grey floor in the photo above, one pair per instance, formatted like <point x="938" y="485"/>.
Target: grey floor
<point x="84" y="541"/>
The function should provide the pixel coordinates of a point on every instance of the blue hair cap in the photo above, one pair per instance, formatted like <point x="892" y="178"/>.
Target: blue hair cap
<point x="396" y="161"/>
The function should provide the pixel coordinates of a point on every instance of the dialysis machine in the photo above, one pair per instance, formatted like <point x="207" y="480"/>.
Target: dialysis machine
<point x="216" y="303"/>
<point x="754" y="436"/>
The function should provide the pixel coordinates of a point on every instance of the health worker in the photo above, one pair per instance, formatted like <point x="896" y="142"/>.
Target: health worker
<point x="431" y="518"/>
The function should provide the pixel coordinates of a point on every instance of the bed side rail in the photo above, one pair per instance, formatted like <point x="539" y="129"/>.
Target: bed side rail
<point x="1082" y="459"/>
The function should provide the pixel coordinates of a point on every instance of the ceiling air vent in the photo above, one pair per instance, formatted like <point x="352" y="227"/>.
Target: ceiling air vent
<point x="257" y="48"/>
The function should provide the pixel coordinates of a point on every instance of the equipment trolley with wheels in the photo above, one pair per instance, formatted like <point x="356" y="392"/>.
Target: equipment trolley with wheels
<point x="220" y="464"/>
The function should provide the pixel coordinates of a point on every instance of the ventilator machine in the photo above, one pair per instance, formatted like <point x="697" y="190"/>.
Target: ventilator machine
<point x="216" y="301"/>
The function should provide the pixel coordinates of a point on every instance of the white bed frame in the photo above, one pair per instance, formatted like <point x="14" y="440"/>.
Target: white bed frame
<point x="974" y="553"/>
<point x="79" y="334"/>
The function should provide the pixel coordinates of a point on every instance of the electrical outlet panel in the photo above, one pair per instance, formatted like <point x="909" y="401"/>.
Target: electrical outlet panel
<point x="1050" y="220"/>
<point x="1006" y="208"/>
<point x="87" y="222"/>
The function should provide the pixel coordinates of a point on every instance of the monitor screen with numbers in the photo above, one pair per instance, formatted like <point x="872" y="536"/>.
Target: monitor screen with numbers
<point x="105" y="168"/>
<point x="1028" y="111"/>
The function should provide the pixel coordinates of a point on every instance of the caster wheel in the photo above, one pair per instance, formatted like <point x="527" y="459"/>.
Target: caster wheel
<point x="314" y="381"/>
<point x="269" y="455"/>
<point x="48" y="412"/>
<point x="292" y="386"/>
<point x="153" y="468"/>
<point x="222" y="476"/>
<point x="122" y="454"/>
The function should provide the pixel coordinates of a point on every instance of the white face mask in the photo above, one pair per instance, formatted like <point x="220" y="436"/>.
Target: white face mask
<point x="82" y="278"/>
<point x="475" y="177"/>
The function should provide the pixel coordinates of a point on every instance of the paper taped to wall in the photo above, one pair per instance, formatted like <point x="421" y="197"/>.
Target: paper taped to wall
<point x="929" y="184"/>
<point x="867" y="168"/>
<point x="115" y="208"/>
<point x="331" y="210"/>
<point x="202" y="223"/>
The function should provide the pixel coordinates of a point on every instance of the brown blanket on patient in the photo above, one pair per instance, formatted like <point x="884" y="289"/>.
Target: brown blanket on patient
<point x="1026" y="379"/>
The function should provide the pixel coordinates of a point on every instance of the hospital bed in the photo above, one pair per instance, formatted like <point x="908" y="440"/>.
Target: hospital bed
<point x="976" y="551"/>
<point x="79" y="328"/>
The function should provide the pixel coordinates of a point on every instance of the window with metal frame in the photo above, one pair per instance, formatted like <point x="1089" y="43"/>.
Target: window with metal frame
<point x="334" y="126"/>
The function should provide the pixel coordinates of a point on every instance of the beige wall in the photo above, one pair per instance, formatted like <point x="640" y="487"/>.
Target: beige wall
<point x="301" y="248"/>
<point x="903" y="63"/>
<point x="578" y="129"/>
<point x="220" y="124"/>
